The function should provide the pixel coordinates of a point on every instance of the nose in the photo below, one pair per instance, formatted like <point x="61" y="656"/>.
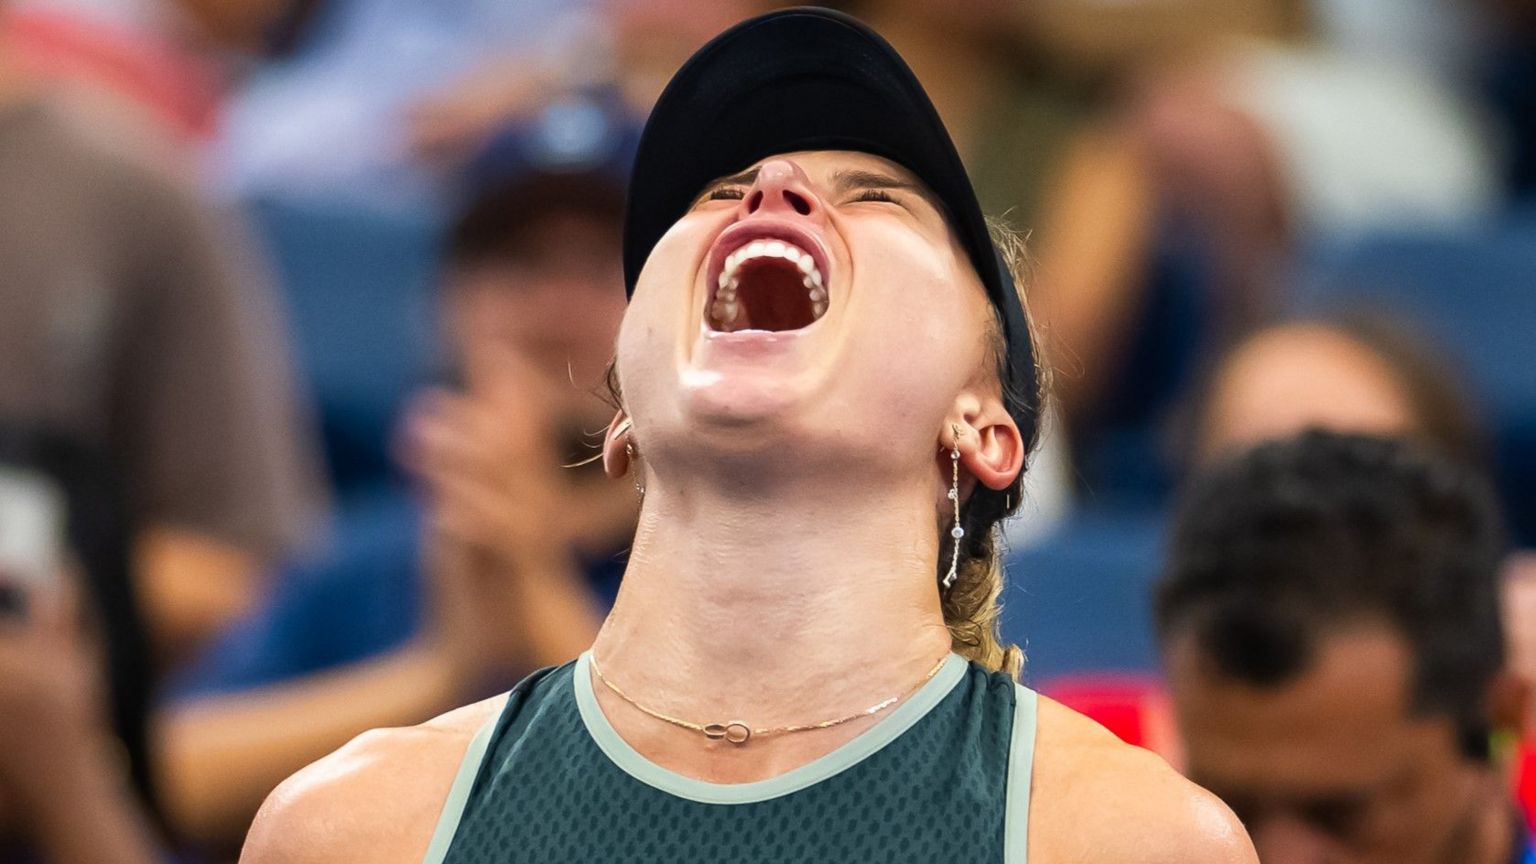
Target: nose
<point x="781" y="188"/>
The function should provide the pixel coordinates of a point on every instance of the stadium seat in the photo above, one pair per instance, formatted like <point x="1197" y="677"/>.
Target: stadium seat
<point x="357" y="284"/>
<point x="1079" y="601"/>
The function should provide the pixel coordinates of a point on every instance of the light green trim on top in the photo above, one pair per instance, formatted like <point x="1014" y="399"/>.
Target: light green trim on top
<point x="1021" y="770"/>
<point x="458" y="794"/>
<point x="888" y="729"/>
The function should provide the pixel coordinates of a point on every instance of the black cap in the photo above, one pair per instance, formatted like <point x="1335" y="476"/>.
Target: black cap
<point x="811" y="79"/>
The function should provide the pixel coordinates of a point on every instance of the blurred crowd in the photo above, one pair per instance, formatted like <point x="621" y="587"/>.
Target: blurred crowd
<point x="306" y="314"/>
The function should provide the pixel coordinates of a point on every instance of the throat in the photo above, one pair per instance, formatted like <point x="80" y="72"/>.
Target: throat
<point x="774" y="609"/>
<point x="767" y="293"/>
<point x="774" y="298"/>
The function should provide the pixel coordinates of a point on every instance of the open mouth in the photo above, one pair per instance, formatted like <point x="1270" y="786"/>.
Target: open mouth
<point x="767" y="284"/>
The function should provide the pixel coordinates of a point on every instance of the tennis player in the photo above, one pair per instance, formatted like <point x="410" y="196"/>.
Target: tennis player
<point x="828" y="392"/>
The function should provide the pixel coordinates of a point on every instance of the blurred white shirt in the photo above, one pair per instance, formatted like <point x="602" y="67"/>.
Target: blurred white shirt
<point x="330" y="122"/>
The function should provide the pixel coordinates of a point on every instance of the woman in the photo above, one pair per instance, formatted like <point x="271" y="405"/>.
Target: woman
<point x="791" y="672"/>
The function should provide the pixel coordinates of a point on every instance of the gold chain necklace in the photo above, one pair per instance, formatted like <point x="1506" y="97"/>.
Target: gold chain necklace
<point x="738" y="732"/>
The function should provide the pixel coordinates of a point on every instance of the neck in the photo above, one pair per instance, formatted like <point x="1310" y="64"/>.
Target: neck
<point x="782" y="609"/>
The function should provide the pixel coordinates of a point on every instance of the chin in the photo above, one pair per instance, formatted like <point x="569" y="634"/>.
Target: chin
<point x="750" y="405"/>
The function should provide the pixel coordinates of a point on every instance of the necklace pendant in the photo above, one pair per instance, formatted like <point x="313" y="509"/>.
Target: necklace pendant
<point x="736" y="732"/>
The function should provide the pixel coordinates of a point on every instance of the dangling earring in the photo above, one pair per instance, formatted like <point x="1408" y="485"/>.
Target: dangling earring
<point x="629" y="450"/>
<point x="954" y="495"/>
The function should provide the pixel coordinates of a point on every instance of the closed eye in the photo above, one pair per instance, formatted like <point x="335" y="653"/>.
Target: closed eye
<point x="875" y="195"/>
<point x="720" y="192"/>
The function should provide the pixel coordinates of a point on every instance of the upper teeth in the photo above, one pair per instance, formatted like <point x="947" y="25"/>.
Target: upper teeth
<point x="810" y="274"/>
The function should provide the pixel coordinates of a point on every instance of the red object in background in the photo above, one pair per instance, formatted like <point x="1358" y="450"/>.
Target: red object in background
<point x="1115" y="702"/>
<point x="1525" y="780"/>
<point x="1133" y="707"/>
<point x="176" y="86"/>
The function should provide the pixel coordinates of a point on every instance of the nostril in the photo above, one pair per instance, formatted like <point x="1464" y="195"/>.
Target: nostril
<point x="798" y="201"/>
<point x="754" y="201"/>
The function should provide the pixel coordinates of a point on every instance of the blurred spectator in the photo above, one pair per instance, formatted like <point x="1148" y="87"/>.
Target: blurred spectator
<point x="167" y="60"/>
<point x="1329" y="624"/>
<point x="634" y="46"/>
<point x="654" y="37"/>
<point x="1117" y="38"/>
<point x="1011" y="107"/>
<point x="132" y="327"/>
<point x="1511" y="82"/>
<point x="328" y="122"/>
<point x="1363" y="375"/>
<point x="1360" y="373"/>
<point x="1365" y="116"/>
<point x="508" y="560"/>
<point x="76" y="783"/>
<point x="63" y="790"/>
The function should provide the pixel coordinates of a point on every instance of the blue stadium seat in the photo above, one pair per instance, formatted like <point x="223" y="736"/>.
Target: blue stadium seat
<point x="358" y="286"/>
<point x="1080" y="600"/>
<point x="1474" y="292"/>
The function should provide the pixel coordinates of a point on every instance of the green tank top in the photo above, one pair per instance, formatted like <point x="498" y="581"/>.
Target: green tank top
<point x="943" y="777"/>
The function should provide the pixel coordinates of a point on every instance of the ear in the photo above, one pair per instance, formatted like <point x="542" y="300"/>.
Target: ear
<point x="991" y="448"/>
<point x="617" y="446"/>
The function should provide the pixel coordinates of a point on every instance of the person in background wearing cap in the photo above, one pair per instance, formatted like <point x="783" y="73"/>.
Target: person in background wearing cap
<point x="504" y="561"/>
<point x="531" y="314"/>
<point x="827" y="393"/>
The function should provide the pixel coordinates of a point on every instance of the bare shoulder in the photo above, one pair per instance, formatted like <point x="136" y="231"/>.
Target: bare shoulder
<point x="1096" y="798"/>
<point x="376" y="799"/>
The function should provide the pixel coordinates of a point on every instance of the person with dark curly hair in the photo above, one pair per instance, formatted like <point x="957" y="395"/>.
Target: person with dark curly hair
<point x="1329" y="624"/>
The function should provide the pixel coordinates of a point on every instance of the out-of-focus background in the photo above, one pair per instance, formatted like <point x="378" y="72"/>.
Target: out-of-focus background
<point x="303" y="304"/>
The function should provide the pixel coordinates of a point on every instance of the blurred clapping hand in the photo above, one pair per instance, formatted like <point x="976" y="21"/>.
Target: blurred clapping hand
<point x="508" y="594"/>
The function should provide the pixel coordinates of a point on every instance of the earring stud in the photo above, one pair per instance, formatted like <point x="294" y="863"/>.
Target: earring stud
<point x="629" y="450"/>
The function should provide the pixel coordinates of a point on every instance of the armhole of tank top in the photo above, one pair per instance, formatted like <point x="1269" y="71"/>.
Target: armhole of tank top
<point x="458" y="794"/>
<point x="1021" y="762"/>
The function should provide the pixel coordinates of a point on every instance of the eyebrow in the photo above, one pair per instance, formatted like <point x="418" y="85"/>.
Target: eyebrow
<point x="849" y="179"/>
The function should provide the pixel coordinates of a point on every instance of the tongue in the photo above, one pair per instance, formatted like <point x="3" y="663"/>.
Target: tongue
<point x="773" y="296"/>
